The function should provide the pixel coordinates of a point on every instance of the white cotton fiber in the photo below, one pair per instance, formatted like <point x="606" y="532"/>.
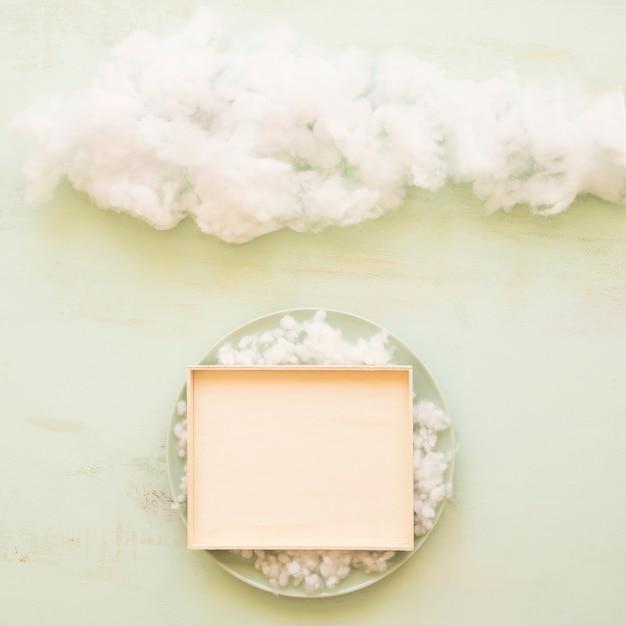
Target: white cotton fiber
<point x="315" y="342"/>
<point x="251" y="139"/>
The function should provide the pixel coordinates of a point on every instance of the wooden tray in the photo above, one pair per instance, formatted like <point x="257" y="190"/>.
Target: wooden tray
<point x="300" y="457"/>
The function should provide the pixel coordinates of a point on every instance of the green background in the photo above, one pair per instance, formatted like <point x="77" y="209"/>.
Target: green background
<point x="521" y="320"/>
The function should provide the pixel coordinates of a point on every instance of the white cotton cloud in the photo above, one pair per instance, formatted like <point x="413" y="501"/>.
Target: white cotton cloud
<point x="251" y="139"/>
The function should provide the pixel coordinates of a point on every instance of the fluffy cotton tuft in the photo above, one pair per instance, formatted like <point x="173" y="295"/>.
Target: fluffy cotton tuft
<point x="251" y="139"/>
<point x="315" y="342"/>
<point x="311" y="342"/>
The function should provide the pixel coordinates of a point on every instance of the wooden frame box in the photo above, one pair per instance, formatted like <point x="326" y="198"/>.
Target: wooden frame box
<point x="300" y="458"/>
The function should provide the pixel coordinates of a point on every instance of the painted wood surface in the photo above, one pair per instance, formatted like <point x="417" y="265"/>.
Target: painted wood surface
<point x="522" y="321"/>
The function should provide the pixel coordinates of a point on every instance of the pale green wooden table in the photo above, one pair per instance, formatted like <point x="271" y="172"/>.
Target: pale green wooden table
<point x="522" y="321"/>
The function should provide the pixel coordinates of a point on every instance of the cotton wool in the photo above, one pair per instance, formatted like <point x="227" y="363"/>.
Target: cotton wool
<point x="247" y="139"/>
<point x="316" y="342"/>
